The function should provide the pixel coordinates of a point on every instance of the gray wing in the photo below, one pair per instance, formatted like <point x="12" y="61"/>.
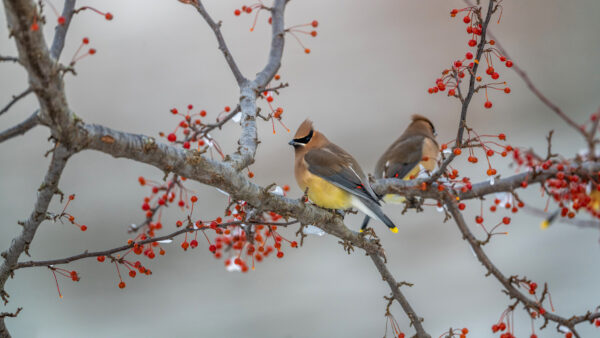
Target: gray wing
<point x="341" y="170"/>
<point x="400" y="158"/>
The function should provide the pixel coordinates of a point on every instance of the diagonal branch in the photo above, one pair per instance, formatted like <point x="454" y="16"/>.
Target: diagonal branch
<point x="216" y="28"/>
<point x="471" y="91"/>
<point x="60" y="32"/>
<point x="531" y="85"/>
<point x="529" y="304"/>
<point x="395" y="287"/>
<point x="20" y="128"/>
<point x="21" y="243"/>
<point x="16" y="99"/>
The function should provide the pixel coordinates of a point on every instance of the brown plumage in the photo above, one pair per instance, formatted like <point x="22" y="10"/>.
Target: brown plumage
<point x="332" y="176"/>
<point x="415" y="150"/>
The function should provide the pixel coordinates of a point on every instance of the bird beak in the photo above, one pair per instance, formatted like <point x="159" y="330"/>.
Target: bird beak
<point x="292" y="143"/>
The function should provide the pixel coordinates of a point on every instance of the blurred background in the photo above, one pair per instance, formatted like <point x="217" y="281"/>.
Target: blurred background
<point x="368" y="71"/>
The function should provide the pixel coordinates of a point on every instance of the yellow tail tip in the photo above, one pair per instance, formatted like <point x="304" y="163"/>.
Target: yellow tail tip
<point x="394" y="230"/>
<point x="545" y="224"/>
<point x="361" y="230"/>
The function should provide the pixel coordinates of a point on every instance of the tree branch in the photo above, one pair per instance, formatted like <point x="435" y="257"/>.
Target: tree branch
<point x="395" y="287"/>
<point x="506" y="282"/>
<point x="463" y="113"/>
<point x="531" y="85"/>
<point x="21" y="243"/>
<point x="60" y="32"/>
<point x="109" y="252"/>
<point x="216" y="28"/>
<point x="20" y="128"/>
<point x="16" y="99"/>
<point x="8" y="59"/>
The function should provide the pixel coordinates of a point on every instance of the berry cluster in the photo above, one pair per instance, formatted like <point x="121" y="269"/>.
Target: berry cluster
<point x="452" y="78"/>
<point x="66" y="216"/>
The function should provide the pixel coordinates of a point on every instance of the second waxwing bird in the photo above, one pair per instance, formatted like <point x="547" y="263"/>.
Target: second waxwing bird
<point x="332" y="176"/>
<point x="413" y="152"/>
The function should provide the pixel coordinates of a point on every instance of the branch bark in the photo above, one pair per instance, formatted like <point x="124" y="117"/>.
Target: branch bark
<point x="511" y="290"/>
<point x="21" y="243"/>
<point x="20" y="128"/>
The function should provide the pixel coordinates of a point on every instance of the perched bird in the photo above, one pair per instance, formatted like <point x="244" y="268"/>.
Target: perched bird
<point x="332" y="176"/>
<point x="415" y="151"/>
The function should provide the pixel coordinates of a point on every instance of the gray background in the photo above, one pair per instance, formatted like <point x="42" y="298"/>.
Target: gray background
<point x="368" y="72"/>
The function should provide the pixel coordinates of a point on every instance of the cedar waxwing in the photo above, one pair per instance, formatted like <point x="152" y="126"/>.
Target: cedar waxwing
<point x="415" y="150"/>
<point x="333" y="177"/>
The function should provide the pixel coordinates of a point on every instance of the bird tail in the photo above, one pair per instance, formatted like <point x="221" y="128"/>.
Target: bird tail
<point x="365" y="223"/>
<point x="370" y="208"/>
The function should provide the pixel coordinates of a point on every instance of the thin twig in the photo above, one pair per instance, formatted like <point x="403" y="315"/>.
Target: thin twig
<point x="15" y="99"/>
<point x="531" y="85"/>
<point x="463" y="113"/>
<point x="9" y="59"/>
<point x="172" y="235"/>
<point x="216" y="28"/>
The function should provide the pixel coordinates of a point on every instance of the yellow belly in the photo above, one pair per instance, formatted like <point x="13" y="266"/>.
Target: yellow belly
<point x="325" y="194"/>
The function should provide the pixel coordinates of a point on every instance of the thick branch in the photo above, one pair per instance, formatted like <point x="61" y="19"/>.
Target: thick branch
<point x="20" y="128"/>
<point x="16" y="99"/>
<point x="506" y="282"/>
<point x="470" y="92"/>
<point x="395" y="287"/>
<point x="248" y="92"/>
<point x="192" y="165"/>
<point x="507" y="184"/>
<point x="47" y="190"/>
<point x="44" y="72"/>
<point x="216" y="28"/>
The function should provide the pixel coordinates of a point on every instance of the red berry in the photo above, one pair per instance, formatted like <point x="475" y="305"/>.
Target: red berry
<point x="212" y="248"/>
<point x="61" y="20"/>
<point x="507" y="90"/>
<point x="122" y="285"/>
<point x="457" y="151"/>
<point x="172" y="137"/>
<point x="108" y="16"/>
<point x="469" y="55"/>
<point x="132" y="273"/>
<point x="194" y="244"/>
<point x="280" y="254"/>
<point x="92" y="51"/>
<point x="472" y="43"/>
<point x="466" y="19"/>
<point x="100" y="259"/>
<point x="509" y="63"/>
<point x="237" y="12"/>
<point x="478" y="219"/>
<point x="495" y="76"/>
<point x="461" y="206"/>
<point x="487" y="104"/>
<point x="83" y="228"/>
<point x="186" y="145"/>
<point x="506" y="220"/>
<point x="315" y="23"/>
